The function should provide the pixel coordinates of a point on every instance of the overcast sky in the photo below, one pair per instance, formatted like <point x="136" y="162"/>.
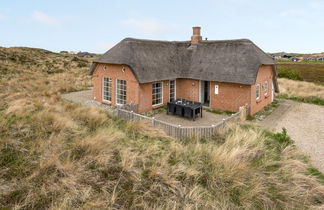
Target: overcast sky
<point x="96" y="25"/>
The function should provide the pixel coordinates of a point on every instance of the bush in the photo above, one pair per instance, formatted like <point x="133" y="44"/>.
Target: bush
<point x="289" y="74"/>
<point x="282" y="137"/>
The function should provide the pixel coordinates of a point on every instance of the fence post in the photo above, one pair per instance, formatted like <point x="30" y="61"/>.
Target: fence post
<point x="153" y="121"/>
<point x="243" y="113"/>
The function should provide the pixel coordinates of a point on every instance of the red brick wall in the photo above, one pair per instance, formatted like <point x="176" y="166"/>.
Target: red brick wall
<point x="230" y="96"/>
<point x="115" y="72"/>
<point x="145" y="102"/>
<point x="265" y="74"/>
<point x="185" y="89"/>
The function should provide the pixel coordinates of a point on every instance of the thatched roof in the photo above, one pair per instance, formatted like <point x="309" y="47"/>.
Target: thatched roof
<point x="234" y="61"/>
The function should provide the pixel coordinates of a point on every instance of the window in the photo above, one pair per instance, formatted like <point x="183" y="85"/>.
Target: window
<point x="121" y="91"/>
<point x="157" y="93"/>
<point x="257" y="88"/>
<point x="106" y="86"/>
<point x="172" y="90"/>
<point x="266" y="87"/>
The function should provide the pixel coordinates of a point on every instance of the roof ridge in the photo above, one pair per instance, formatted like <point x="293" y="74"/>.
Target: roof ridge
<point x="152" y="40"/>
<point x="187" y="41"/>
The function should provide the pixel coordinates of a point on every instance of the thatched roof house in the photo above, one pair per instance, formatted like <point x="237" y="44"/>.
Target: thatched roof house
<point x="226" y="61"/>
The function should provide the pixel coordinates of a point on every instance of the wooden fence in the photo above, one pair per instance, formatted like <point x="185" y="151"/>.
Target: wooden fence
<point x="178" y="131"/>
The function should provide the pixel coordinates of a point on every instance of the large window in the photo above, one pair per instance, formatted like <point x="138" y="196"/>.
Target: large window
<point x="121" y="91"/>
<point x="157" y="93"/>
<point x="258" y="90"/>
<point x="266" y="87"/>
<point x="106" y="86"/>
<point x="172" y="90"/>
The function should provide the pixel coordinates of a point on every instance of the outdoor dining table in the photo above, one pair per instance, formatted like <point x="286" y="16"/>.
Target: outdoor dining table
<point x="185" y="108"/>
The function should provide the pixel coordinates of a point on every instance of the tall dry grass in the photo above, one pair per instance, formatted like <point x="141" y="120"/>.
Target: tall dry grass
<point x="301" y="89"/>
<point x="58" y="155"/>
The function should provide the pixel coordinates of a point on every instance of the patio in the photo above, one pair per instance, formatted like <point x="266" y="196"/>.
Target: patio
<point x="207" y="119"/>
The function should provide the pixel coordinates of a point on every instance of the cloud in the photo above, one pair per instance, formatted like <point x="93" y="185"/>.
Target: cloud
<point x="147" y="26"/>
<point x="45" y="19"/>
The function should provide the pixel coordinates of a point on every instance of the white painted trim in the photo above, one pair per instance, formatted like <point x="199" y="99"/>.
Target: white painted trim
<point x="102" y="89"/>
<point x="116" y="92"/>
<point x="257" y="98"/>
<point x="200" y="91"/>
<point x="175" y="89"/>
<point x="162" y="94"/>
<point x="266" y="93"/>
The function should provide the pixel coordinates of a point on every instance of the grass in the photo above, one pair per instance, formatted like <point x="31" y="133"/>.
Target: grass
<point x="59" y="155"/>
<point x="316" y="173"/>
<point x="156" y="111"/>
<point x="310" y="100"/>
<point x="265" y="111"/>
<point x="302" y="71"/>
<point x="306" y="92"/>
<point x="217" y="111"/>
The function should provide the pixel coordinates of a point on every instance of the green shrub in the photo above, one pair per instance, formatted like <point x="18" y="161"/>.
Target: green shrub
<point x="250" y="117"/>
<point x="289" y="74"/>
<point x="282" y="137"/>
<point x="316" y="173"/>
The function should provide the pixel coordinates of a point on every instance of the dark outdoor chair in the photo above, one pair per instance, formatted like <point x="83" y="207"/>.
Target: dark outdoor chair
<point x="182" y="100"/>
<point x="171" y="108"/>
<point x="188" y="112"/>
<point x="189" y="102"/>
<point x="179" y="110"/>
<point x="179" y="100"/>
<point x="197" y="111"/>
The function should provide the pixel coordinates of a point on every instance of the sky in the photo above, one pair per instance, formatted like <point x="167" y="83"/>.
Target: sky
<point x="97" y="25"/>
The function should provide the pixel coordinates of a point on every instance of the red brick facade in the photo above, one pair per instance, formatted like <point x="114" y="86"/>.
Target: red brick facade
<point x="230" y="96"/>
<point x="188" y="89"/>
<point x="264" y="74"/>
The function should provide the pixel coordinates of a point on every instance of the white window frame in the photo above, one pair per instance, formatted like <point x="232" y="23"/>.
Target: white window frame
<point x="175" y="89"/>
<point x="257" y="87"/>
<point x="266" y="88"/>
<point x="103" y="89"/>
<point x="117" y="91"/>
<point x="161" y="94"/>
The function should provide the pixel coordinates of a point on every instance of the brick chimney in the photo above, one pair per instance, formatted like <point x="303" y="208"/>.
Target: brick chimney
<point x="195" y="38"/>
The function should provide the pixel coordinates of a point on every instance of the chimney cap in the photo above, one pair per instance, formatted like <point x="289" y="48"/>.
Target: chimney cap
<point x="196" y="37"/>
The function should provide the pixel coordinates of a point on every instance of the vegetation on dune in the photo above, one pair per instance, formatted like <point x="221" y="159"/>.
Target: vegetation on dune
<point x="302" y="71"/>
<point x="301" y="91"/>
<point x="58" y="155"/>
<point x="284" y="72"/>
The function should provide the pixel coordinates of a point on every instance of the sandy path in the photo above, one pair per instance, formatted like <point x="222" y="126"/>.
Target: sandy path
<point x="305" y="124"/>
